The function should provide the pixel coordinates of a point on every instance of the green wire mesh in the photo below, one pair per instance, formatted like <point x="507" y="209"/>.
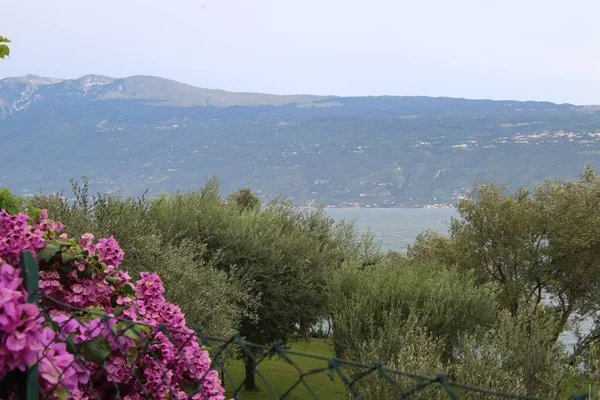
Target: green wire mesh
<point x="349" y="375"/>
<point x="225" y="351"/>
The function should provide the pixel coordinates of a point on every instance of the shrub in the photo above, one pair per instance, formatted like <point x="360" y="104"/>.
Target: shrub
<point x="426" y="318"/>
<point x="516" y="355"/>
<point x="219" y="300"/>
<point x="445" y="299"/>
<point x="265" y="267"/>
<point x="84" y="274"/>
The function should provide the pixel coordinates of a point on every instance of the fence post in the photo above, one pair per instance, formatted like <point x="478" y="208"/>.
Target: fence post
<point x="30" y="389"/>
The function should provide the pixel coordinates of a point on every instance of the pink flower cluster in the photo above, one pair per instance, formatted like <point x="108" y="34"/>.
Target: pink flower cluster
<point x="94" y="288"/>
<point x="45" y="225"/>
<point x="86" y="275"/>
<point x="16" y="235"/>
<point x="109" y="251"/>
<point x="57" y="367"/>
<point x="180" y="352"/>
<point x="20" y="330"/>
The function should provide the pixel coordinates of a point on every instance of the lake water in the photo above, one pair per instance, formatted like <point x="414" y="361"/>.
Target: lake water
<point x="396" y="228"/>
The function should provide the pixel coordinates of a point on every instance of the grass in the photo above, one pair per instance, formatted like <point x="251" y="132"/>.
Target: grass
<point x="281" y="375"/>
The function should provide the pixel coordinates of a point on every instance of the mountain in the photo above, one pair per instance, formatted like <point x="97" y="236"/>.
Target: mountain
<point x="19" y="93"/>
<point x="141" y="132"/>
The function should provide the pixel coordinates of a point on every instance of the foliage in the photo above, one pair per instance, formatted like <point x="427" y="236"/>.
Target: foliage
<point x="401" y="343"/>
<point x="85" y="274"/>
<point x="572" y="234"/>
<point x="539" y="249"/>
<point x="428" y="318"/>
<point x="279" y="253"/>
<point x="586" y="379"/>
<point x="219" y="299"/>
<point x="430" y="246"/>
<point x="244" y="199"/>
<point x="14" y="204"/>
<point x="531" y="245"/>
<point x="504" y="233"/>
<point x="270" y="261"/>
<point x="515" y="355"/>
<point x="445" y="300"/>
<point x="4" y="49"/>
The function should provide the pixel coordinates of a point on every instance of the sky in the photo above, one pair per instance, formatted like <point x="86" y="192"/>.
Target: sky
<point x="495" y="49"/>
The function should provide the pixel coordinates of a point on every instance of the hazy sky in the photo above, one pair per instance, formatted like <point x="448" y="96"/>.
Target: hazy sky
<point x="505" y="49"/>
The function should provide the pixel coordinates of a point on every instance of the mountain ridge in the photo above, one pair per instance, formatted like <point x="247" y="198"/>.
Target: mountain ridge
<point x="204" y="94"/>
<point x="143" y="87"/>
<point x="143" y="132"/>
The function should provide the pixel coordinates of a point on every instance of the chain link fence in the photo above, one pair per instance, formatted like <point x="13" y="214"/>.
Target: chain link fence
<point x="94" y="363"/>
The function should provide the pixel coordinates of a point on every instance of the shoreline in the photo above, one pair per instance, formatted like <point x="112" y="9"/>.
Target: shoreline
<point x="426" y="206"/>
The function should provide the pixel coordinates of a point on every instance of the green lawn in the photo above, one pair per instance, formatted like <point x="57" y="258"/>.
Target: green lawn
<point x="281" y="375"/>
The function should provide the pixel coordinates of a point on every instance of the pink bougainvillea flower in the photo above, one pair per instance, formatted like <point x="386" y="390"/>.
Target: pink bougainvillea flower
<point x="26" y="339"/>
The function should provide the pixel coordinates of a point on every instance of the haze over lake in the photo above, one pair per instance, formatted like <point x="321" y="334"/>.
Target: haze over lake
<point x="396" y="228"/>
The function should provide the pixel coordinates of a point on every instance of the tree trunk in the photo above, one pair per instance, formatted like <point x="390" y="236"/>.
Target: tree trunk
<point x="250" y="382"/>
<point x="340" y="352"/>
<point x="564" y="319"/>
<point x="304" y="330"/>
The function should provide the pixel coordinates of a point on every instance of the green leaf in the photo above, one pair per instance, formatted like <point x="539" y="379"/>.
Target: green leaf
<point x="4" y="39"/>
<point x="144" y="328"/>
<point x="120" y="325"/>
<point x="35" y="213"/>
<point x="86" y="273"/>
<point x="96" y="350"/>
<point x="133" y="352"/>
<point x="67" y="258"/>
<point x="127" y="289"/>
<point x="67" y="268"/>
<point x="132" y="333"/>
<point x="64" y="243"/>
<point x="113" y="280"/>
<point x="118" y="310"/>
<point x="62" y="393"/>
<point x="113" y="299"/>
<point x="96" y="311"/>
<point x="48" y="253"/>
<point x="191" y="388"/>
<point x="4" y="50"/>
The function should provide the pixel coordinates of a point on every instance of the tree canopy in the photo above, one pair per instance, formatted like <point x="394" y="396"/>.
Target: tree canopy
<point x="540" y="247"/>
<point x="271" y="261"/>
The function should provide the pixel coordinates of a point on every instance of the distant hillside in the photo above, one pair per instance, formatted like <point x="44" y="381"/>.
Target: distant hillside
<point x="21" y="92"/>
<point x="141" y="132"/>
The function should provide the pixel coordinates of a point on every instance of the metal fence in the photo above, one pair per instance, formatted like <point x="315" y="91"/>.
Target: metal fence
<point x="346" y="376"/>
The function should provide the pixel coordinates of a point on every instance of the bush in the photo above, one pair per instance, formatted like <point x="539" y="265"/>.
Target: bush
<point x="263" y="269"/>
<point x="517" y="355"/>
<point x="425" y="318"/>
<point x="445" y="299"/>
<point x="78" y="338"/>
<point x="404" y="346"/>
<point x="219" y="301"/>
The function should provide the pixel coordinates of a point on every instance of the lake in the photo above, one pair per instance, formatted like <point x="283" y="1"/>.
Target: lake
<point x="396" y="228"/>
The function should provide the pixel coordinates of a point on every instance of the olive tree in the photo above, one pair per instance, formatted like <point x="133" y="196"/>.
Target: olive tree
<point x="280" y="254"/>
<point x="426" y="318"/>
<point x="537" y="246"/>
